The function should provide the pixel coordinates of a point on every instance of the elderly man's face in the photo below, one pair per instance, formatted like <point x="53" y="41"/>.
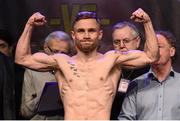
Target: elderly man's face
<point x="124" y="39"/>
<point x="56" y="46"/>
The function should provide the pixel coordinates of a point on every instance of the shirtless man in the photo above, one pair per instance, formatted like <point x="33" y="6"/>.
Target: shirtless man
<point x="88" y="80"/>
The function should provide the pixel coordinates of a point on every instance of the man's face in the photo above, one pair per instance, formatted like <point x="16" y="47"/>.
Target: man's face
<point x="165" y="51"/>
<point x="56" y="46"/>
<point x="124" y="39"/>
<point x="5" y="48"/>
<point x="86" y="35"/>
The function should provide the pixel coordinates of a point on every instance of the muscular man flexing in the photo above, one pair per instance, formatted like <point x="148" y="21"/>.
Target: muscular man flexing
<point x="88" y="80"/>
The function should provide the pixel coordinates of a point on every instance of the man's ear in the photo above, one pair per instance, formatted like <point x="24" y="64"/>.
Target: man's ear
<point x="172" y="51"/>
<point x="45" y="46"/>
<point x="138" y="41"/>
<point x="72" y="35"/>
<point x="100" y="34"/>
<point x="46" y="49"/>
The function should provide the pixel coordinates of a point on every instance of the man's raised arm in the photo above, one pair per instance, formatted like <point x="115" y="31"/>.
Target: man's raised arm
<point x="150" y="54"/>
<point x="23" y="55"/>
<point x="151" y="45"/>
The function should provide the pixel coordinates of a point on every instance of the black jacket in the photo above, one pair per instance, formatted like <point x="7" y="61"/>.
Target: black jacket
<point x="7" y="88"/>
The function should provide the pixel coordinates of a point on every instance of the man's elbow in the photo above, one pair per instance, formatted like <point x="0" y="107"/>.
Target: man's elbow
<point x="154" y="58"/>
<point x="19" y="60"/>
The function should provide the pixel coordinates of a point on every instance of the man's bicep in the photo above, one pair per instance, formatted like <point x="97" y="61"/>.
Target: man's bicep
<point x="39" y="61"/>
<point x="133" y="59"/>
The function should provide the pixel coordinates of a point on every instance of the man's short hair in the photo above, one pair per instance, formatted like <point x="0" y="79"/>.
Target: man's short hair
<point x="123" y="24"/>
<point x="6" y="36"/>
<point x="86" y="15"/>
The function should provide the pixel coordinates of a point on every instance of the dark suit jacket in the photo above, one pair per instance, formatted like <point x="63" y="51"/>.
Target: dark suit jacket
<point x="7" y="88"/>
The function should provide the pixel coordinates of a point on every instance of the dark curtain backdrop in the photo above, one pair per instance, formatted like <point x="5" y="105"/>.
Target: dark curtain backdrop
<point x="165" y="14"/>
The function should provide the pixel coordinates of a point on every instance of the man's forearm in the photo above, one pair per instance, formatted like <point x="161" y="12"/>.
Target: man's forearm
<point x="23" y="46"/>
<point x="151" y="44"/>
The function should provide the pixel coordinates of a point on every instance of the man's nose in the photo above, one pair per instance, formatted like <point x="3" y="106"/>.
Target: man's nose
<point x="121" y="44"/>
<point x="86" y="35"/>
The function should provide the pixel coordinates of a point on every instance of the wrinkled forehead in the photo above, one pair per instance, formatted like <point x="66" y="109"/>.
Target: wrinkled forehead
<point x="161" y="39"/>
<point x="57" y="42"/>
<point x="125" y="32"/>
<point x="59" y="45"/>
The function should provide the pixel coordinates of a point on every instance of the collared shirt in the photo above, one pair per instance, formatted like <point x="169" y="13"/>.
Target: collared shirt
<point x="118" y="100"/>
<point x="153" y="100"/>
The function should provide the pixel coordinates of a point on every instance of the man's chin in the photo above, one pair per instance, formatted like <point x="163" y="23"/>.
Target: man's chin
<point x="155" y="64"/>
<point x="87" y="49"/>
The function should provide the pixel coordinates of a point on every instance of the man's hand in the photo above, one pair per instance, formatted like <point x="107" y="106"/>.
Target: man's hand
<point x="140" y="16"/>
<point x="37" y="19"/>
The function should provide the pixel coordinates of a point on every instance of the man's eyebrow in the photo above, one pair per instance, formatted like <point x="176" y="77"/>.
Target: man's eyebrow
<point x="64" y="52"/>
<point x="80" y="29"/>
<point x="92" y="29"/>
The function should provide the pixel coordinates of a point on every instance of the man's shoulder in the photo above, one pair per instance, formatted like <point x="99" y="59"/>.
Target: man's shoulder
<point x="112" y="53"/>
<point x="138" y="82"/>
<point x="60" y="55"/>
<point x="176" y="74"/>
<point x="141" y="77"/>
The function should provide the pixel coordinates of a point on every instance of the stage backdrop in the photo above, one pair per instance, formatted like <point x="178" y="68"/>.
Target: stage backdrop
<point x="60" y="13"/>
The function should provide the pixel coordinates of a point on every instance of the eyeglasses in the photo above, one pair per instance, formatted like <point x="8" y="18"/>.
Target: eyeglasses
<point x="56" y="51"/>
<point x="124" y="41"/>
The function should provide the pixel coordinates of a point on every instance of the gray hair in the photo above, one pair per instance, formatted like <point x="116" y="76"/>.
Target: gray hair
<point x="59" y="35"/>
<point x="123" y="24"/>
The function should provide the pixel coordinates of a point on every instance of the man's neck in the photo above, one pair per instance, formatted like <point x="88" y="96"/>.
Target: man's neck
<point x="162" y="71"/>
<point x="87" y="57"/>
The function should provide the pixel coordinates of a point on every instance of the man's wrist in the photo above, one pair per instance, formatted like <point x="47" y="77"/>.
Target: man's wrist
<point x="29" y="25"/>
<point x="147" y="22"/>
